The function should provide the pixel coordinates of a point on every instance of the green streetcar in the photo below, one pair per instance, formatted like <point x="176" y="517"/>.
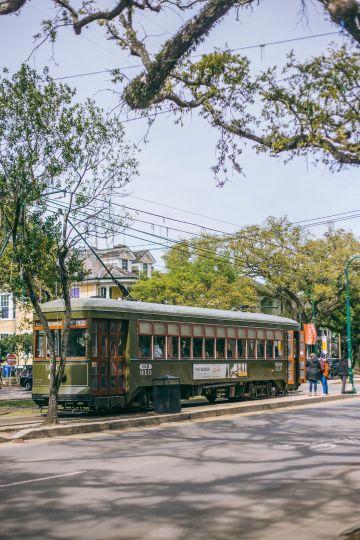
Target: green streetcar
<point x="118" y="348"/>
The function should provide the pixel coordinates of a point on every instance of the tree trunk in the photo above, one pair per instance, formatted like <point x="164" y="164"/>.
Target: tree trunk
<point x="52" y="416"/>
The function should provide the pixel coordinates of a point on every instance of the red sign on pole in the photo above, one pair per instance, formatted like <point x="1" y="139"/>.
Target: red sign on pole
<point x="11" y="359"/>
<point x="310" y="334"/>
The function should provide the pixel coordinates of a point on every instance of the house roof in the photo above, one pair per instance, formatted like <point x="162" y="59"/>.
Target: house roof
<point x="143" y="254"/>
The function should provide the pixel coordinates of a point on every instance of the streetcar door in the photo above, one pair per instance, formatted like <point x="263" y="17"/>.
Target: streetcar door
<point x="117" y="340"/>
<point x="291" y="358"/>
<point x="302" y="358"/>
<point x="103" y="358"/>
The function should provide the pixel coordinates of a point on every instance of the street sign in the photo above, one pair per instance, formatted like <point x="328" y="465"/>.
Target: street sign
<point x="11" y="359"/>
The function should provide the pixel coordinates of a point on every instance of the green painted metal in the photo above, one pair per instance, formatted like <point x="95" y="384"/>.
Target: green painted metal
<point x="139" y="374"/>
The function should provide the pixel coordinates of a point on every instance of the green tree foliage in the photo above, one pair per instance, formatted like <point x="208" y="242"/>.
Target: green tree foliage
<point x="297" y="268"/>
<point x="306" y="109"/>
<point x="20" y="344"/>
<point x="277" y="261"/>
<point x="52" y="147"/>
<point x="199" y="273"/>
<point x="313" y="110"/>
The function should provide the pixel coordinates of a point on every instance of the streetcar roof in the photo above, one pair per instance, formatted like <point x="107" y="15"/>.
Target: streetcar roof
<point x="164" y="310"/>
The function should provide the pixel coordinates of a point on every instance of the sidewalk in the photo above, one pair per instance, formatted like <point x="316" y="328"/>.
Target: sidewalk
<point x="151" y="419"/>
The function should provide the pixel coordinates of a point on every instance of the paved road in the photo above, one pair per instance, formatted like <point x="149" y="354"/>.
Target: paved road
<point x="279" y="475"/>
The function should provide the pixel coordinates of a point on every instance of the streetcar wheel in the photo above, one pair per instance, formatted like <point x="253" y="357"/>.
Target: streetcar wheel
<point x="211" y="397"/>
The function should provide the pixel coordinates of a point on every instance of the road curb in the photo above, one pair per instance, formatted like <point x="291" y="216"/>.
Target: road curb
<point x="149" y="421"/>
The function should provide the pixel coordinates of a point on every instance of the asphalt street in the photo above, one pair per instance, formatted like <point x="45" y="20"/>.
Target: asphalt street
<point x="276" y="475"/>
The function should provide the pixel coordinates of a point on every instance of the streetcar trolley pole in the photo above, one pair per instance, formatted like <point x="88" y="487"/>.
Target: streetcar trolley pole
<point x="348" y="321"/>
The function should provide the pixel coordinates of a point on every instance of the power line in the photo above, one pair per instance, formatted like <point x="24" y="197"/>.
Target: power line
<point x="323" y="217"/>
<point x="174" y="242"/>
<point x="207" y="254"/>
<point x="246" y="47"/>
<point x="185" y="211"/>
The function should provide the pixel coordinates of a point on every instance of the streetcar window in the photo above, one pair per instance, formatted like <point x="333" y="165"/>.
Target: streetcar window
<point x="261" y="348"/>
<point x="120" y="374"/>
<point x="173" y="329"/>
<point x="94" y="375"/>
<point x="103" y="345"/>
<point x="159" y="346"/>
<point x="198" y="330"/>
<point x="270" y="334"/>
<point x="144" y="327"/>
<point x="278" y="349"/>
<point x="56" y="335"/>
<point x="39" y="344"/>
<point x="220" y="332"/>
<point x="261" y="334"/>
<point x="220" y="348"/>
<point x="76" y="344"/>
<point x="159" y="328"/>
<point x="94" y="339"/>
<point x="185" y="344"/>
<point x="231" y="332"/>
<point x="173" y="347"/>
<point x="251" y="346"/>
<point x="209" y="331"/>
<point x="209" y="348"/>
<point x="113" y="374"/>
<point x="144" y="347"/>
<point x="251" y="333"/>
<point x="290" y="345"/>
<point x="103" y="376"/>
<point x="231" y="348"/>
<point x="120" y="338"/>
<point x="94" y="344"/>
<point x="269" y="349"/>
<point x="278" y="335"/>
<point x="112" y="338"/>
<point x="241" y="333"/>
<point x="241" y="345"/>
<point x="197" y="347"/>
<point x="185" y="330"/>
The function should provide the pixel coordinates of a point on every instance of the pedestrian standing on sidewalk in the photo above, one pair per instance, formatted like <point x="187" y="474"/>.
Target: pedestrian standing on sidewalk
<point x="343" y="372"/>
<point x="314" y="373"/>
<point x="325" y="370"/>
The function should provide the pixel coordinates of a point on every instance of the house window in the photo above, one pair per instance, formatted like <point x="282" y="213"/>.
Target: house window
<point x="75" y="292"/>
<point x="124" y="264"/>
<point x="102" y="292"/>
<point x="145" y="268"/>
<point x="4" y="306"/>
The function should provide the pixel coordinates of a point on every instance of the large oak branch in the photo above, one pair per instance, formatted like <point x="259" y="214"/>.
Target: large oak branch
<point x="10" y="6"/>
<point x="141" y="92"/>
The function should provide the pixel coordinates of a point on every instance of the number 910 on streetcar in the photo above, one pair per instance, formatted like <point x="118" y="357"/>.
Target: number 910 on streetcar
<point x="118" y="348"/>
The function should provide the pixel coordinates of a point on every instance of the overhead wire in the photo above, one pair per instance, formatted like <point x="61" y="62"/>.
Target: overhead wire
<point x="206" y="254"/>
<point x="246" y="47"/>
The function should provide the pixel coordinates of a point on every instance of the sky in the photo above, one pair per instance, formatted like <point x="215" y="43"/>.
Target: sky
<point x="175" y="179"/>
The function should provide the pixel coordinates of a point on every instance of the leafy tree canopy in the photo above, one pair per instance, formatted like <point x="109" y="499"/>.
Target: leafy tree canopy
<point x="199" y="273"/>
<point x="310" y="108"/>
<point x="51" y="147"/>
<point x="276" y="260"/>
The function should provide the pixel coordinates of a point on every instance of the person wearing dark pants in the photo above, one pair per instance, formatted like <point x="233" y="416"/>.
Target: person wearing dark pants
<point x="313" y="373"/>
<point x="343" y="372"/>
